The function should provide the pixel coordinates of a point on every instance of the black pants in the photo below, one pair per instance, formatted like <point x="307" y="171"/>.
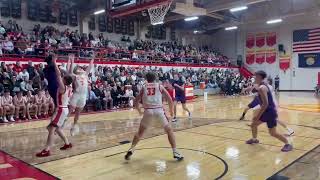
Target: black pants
<point x="96" y="104"/>
<point x="116" y="101"/>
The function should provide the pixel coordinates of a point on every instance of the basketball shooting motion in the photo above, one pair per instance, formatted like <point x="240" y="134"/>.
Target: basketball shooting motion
<point x="80" y="91"/>
<point x="151" y="96"/>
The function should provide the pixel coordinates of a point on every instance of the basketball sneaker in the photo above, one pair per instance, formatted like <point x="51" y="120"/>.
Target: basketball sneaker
<point x="11" y="119"/>
<point x="66" y="146"/>
<point x="177" y="156"/>
<point x="252" y="141"/>
<point x="74" y="130"/>
<point x="43" y="153"/>
<point x="128" y="155"/>
<point x="5" y="119"/>
<point x="287" y="148"/>
<point x="174" y="119"/>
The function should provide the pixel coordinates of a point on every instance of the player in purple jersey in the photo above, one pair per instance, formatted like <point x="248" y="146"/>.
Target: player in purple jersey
<point x="255" y="105"/>
<point x="267" y="113"/>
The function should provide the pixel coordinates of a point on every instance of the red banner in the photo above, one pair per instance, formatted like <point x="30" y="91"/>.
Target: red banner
<point x="260" y="58"/>
<point x="284" y="62"/>
<point x="271" y="39"/>
<point x="250" y="58"/>
<point x="271" y="57"/>
<point x="260" y="40"/>
<point x="250" y="41"/>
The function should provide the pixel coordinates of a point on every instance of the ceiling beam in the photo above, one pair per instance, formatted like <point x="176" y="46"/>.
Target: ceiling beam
<point x="216" y="16"/>
<point x="176" y="17"/>
<point x="215" y="7"/>
<point x="292" y="15"/>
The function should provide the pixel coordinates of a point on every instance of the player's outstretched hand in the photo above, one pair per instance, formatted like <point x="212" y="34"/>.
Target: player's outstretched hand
<point x="71" y="57"/>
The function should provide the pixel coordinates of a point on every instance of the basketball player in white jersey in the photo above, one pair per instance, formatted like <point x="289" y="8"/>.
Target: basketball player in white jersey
<point x="8" y="107"/>
<point x="31" y="105"/>
<point x="20" y="103"/>
<point x="59" y="117"/>
<point x="256" y="107"/>
<point x="151" y="96"/>
<point x="80" y="91"/>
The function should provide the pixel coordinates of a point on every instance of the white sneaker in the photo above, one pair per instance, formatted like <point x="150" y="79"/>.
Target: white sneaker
<point x="5" y="120"/>
<point x="74" y="130"/>
<point x="174" y="119"/>
<point x="11" y="119"/>
<point x="290" y="131"/>
<point x="177" y="156"/>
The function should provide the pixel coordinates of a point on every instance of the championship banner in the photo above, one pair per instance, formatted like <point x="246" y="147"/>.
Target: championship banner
<point x="271" y="39"/>
<point x="271" y="57"/>
<point x="260" y="57"/>
<point x="309" y="60"/>
<point x="250" y="41"/>
<point x="250" y="58"/>
<point x="260" y="40"/>
<point x="284" y="62"/>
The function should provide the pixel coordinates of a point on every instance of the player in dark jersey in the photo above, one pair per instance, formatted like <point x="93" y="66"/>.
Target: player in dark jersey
<point x="267" y="113"/>
<point x="180" y="96"/>
<point x="50" y="75"/>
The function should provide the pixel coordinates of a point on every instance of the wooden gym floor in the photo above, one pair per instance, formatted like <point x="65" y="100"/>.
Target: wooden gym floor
<point x="213" y="143"/>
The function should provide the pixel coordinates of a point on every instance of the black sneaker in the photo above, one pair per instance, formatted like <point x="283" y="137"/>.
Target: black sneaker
<point x="128" y="155"/>
<point x="174" y="119"/>
<point x="177" y="156"/>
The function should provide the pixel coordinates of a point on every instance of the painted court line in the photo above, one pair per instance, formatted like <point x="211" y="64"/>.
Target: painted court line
<point x="95" y="150"/>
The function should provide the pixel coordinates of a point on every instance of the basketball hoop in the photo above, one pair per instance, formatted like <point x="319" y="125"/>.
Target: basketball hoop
<point x="158" y="12"/>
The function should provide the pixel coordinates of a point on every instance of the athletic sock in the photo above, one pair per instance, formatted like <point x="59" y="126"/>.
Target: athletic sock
<point x="132" y="148"/>
<point x="174" y="150"/>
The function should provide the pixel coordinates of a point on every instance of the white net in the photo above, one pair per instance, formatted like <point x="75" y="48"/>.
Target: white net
<point x="157" y="13"/>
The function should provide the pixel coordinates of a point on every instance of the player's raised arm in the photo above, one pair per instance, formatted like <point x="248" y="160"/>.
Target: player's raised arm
<point x="62" y="88"/>
<point x="90" y="65"/>
<point x="166" y="94"/>
<point x="70" y="63"/>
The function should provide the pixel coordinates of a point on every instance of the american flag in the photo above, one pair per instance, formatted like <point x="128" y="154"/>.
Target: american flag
<point x="306" y="40"/>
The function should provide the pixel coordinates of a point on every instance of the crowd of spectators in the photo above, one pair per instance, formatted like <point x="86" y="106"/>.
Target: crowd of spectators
<point x="111" y="87"/>
<point x="41" y="40"/>
<point x="23" y="93"/>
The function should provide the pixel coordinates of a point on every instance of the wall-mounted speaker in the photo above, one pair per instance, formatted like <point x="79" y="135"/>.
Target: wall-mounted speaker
<point x="281" y="48"/>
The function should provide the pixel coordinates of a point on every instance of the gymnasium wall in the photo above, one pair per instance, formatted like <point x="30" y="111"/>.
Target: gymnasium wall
<point x="233" y="43"/>
<point x="27" y="25"/>
<point x="226" y="43"/>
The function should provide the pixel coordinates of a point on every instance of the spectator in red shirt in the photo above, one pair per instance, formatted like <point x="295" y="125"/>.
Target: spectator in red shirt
<point x="17" y="67"/>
